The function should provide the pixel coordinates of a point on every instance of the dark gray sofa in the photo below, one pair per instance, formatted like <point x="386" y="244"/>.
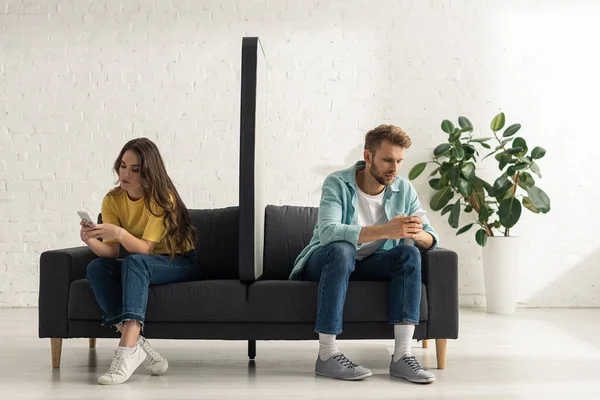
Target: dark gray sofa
<point x="245" y="293"/>
<point x="228" y="303"/>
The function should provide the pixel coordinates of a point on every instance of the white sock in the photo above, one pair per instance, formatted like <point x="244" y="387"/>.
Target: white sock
<point x="403" y="335"/>
<point x="141" y="340"/>
<point x="327" y="346"/>
<point x="127" y="351"/>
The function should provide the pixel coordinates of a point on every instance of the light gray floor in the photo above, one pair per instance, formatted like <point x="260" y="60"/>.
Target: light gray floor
<point x="534" y="354"/>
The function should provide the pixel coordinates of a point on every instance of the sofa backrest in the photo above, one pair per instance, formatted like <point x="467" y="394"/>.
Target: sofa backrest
<point x="288" y="230"/>
<point x="216" y="242"/>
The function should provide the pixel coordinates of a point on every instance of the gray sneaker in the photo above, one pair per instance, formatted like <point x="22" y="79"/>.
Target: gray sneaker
<point x="409" y="369"/>
<point x="339" y="367"/>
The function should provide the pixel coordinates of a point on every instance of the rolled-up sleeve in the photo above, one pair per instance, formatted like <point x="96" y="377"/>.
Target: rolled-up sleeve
<point x="331" y="215"/>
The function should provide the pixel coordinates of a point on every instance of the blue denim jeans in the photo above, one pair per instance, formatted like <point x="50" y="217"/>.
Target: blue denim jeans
<point x="121" y="287"/>
<point x="335" y="264"/>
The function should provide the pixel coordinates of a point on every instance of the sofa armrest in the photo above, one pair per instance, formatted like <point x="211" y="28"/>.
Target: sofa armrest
<point x="58" y="268"/>
<point x="440" y="276"/>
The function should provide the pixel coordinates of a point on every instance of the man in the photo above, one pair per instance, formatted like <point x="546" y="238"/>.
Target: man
<point x="365" y="230"/>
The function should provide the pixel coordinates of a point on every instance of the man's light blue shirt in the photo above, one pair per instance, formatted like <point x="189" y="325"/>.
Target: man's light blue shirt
<point x="338" y="213"/>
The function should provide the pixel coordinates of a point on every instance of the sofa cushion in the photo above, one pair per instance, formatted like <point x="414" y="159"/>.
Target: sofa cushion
<point x="207" y="301"/>
<point x="296" y="301"/>
<point x="288" y="230"/>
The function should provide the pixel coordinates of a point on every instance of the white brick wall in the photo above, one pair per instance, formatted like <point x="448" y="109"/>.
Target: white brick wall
<point x="79" y="78"/>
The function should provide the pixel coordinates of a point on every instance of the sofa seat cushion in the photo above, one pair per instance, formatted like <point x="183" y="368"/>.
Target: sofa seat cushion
<point x="209" y="300"/>
<point x="296" y="301"/>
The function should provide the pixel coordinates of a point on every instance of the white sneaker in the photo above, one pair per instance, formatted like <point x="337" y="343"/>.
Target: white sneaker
<point x="155" y="363"/>
<point x="122" y="367"/>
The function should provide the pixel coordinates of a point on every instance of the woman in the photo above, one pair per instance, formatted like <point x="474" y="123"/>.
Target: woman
<point x="148" y="218"/>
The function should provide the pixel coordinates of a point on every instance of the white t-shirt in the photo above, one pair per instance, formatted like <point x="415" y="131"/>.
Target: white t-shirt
<point x="370" y="212"/>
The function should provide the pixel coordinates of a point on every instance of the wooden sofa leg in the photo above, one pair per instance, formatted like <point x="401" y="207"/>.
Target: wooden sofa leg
<point x="440" y="349"/>
<point x="92" y="343"/>
<point x="425" y="343"/>
<point x="251" y="349"/>
<point x="56" y="349"/>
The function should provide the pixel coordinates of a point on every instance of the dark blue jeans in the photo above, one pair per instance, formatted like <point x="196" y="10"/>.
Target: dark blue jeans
<point x="335" y="264"/>
<point x="121" y="287"/>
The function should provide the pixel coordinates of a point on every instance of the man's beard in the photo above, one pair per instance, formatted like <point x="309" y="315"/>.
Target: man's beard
<point x="379" y="178"/>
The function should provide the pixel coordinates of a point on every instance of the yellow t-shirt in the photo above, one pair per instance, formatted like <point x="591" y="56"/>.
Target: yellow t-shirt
<point x="135" y="218"/>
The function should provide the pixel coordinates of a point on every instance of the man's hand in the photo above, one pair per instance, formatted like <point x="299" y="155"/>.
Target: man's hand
<point x="403" y="227"/>
<point x="104" y="231"/>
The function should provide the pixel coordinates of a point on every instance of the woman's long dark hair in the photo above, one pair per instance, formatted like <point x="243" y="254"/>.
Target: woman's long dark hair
<point x="158" y="189"/>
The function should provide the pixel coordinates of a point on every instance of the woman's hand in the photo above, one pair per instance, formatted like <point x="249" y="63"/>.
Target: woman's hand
<point x="83" y="232"/>
<point x="104" y="231"/>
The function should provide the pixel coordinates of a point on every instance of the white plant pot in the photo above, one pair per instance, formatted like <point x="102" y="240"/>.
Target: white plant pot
<point x="500" y="270"/>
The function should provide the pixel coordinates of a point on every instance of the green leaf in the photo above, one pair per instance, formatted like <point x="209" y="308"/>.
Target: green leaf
<point x="539" y="199"/>
<point x="468" y="171"/>
<point x="441" y="198"/>
<point x="506" y="195"/>
<point x="441" y="149"/>
<point x="455" y="136"/>
<point x="447" y="209"/>
<point x="504" y="159"/>
<point x="514" y="150"/>
<point x="485" y="213"/>
<point x="465" y="187"/>
<point x="435" y="184"/>
<point x="509" y="212"/>
<point x="501" y="185"/>
<point x="470" y="150"/>
<point x="511" y="130"/>
<point x="454" y="215"/>
<point x="468" y="209"/>
<point x="481" y="237"/>
<point x="538" y="152"/>
<point x="489" y="188"/>
<point x="528" y="205"/>
<point x="497" y="122"/>
<point x="492" y="153"/>
<point x="521" y="166"/>
<point x="526" y="180"/>
<point x="464" y="229"/>
<point x="435" y="171"/>
<point x="520" y="142"/>
<point x="535" y="169"/>
<point x="458" y="153"/>
<point x="454" y="175"/>
<point x="417" y="170"/>
<point x="464" y="122"/>
<point x="485" y="145"/>
<point x="446" y="166"/>
<point x="447" y="126"/>
<point x="445" y="179"/>
<point x="481" y="140"/>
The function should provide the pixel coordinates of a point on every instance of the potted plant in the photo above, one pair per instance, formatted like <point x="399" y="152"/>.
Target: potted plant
<point x="496" y="206"/>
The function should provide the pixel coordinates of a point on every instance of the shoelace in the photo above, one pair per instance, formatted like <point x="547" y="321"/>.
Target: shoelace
<point x="151" y="353"/>
<point x="344" y="361"/>
<point x="413" y="363"/>
<point x="115" y="366"/>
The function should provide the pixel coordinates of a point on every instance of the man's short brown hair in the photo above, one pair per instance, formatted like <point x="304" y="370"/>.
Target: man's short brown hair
<point x="393" y="134"/>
